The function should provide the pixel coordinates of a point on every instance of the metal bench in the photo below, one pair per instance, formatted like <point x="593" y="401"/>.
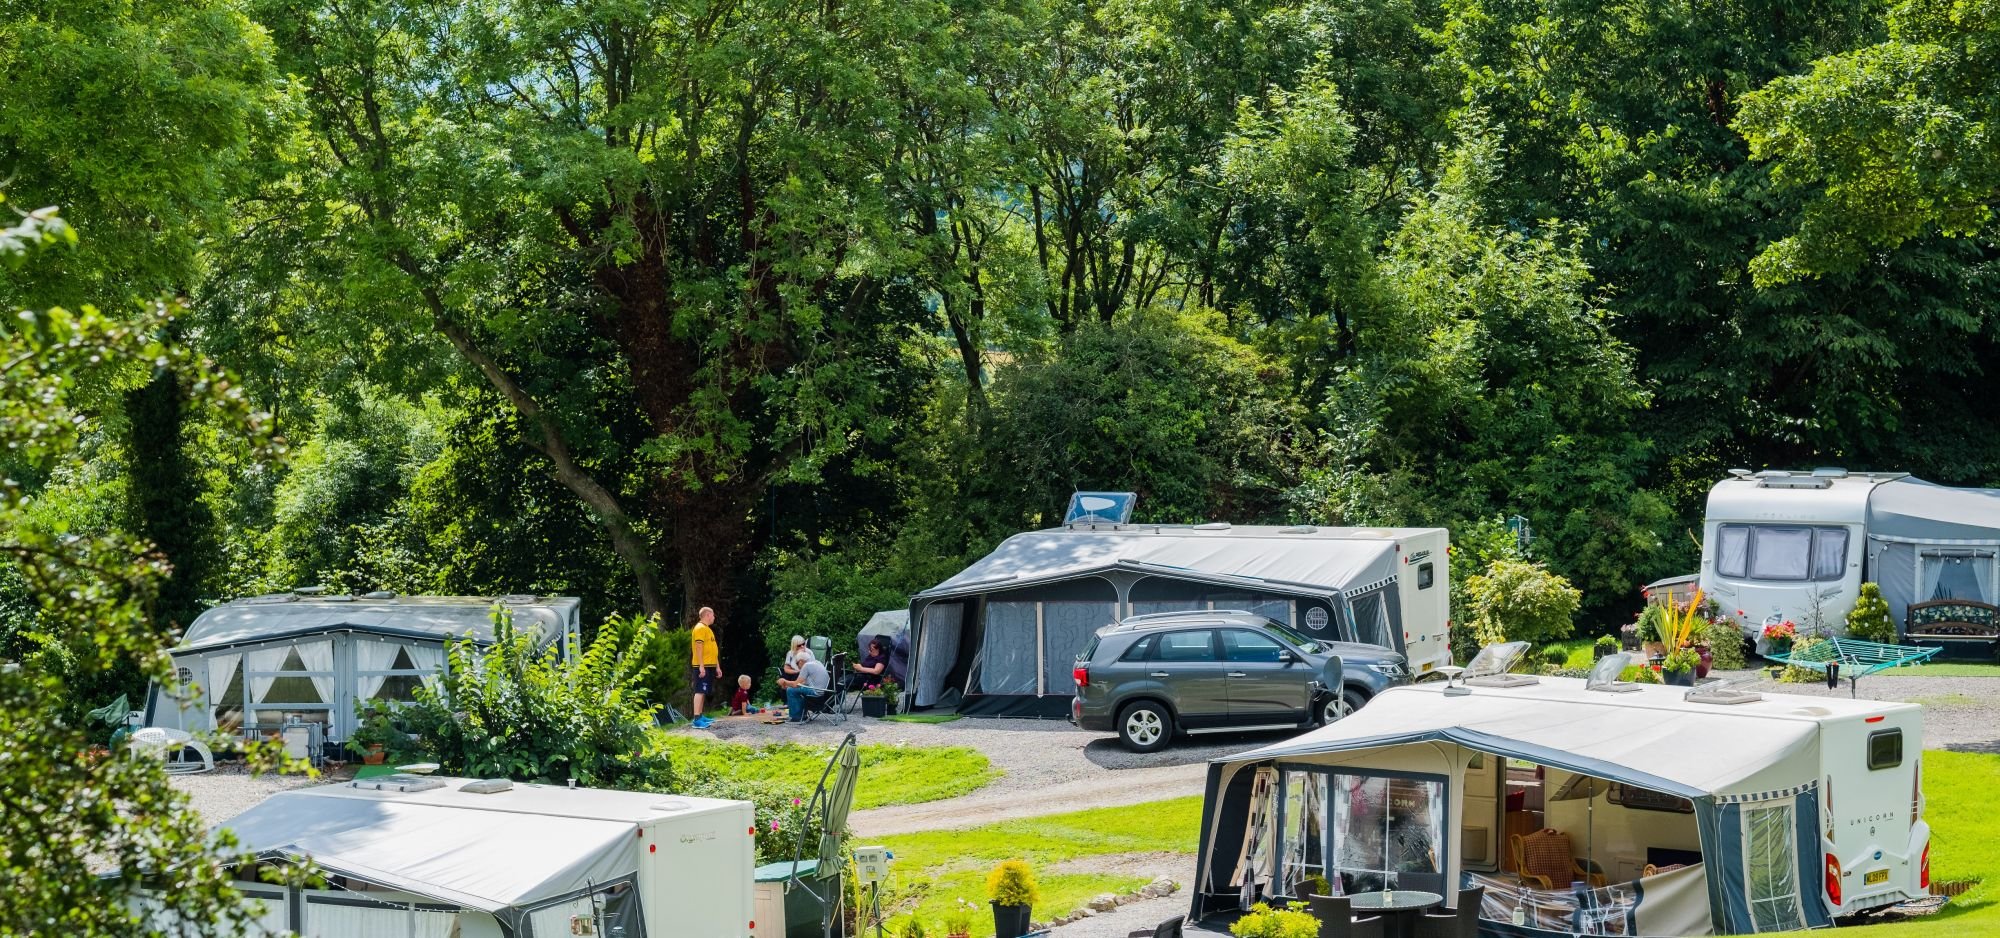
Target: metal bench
<point x="1961" y="628"/>
<point x="1854" y="659"/>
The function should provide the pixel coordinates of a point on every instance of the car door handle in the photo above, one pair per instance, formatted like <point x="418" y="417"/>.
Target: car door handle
<point x="1237" y="674"/>
<point x="1160" y="674"/>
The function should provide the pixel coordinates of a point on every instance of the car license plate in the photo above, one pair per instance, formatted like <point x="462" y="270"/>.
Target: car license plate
<point x="1875" y="876"/>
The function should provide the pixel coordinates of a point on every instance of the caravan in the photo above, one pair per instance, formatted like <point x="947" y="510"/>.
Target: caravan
<point x="1582" y="808"/>
<point x="1798" y="545"/>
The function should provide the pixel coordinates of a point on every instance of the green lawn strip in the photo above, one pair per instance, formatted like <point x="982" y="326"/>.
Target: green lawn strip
<point x="890" y="775"/>
<point x="1577" y="653"/>
<point x="934" y="868"/>
<point x="1964" y="831"/>
<point x="1943" y="669"/>
<point x="921" y="717"/>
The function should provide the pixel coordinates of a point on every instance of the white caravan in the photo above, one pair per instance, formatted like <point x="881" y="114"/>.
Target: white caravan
<point x="1683" y="811"/>
<point x="1782" y="545"/>
<point x="430" y="857"/>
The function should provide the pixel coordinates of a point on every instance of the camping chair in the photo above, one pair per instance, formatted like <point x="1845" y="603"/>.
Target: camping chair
<point x="1544" y="859"/>
<point x="1171" y="928"/>
<point x="1336" y="918"/>
<point x="1462" y="922"/>
<point x="835" y="699"/>
<point x="183" y="754"/>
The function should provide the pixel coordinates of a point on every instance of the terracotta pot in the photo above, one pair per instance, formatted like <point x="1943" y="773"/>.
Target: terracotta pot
<point x="374" y="755"/>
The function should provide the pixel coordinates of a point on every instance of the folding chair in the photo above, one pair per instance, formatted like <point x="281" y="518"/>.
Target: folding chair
<point x="834" y="700"/>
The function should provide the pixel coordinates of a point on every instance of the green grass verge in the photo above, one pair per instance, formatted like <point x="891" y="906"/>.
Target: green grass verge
<point x="1576" y="652"/>
<point x="1943" y="669"/>
<point x="921" y="717"/>
<point x="889" y="774"/>
<point x="935" y="868"/>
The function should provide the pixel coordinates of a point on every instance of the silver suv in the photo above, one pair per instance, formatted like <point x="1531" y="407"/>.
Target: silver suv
<point x="1149" y="677"/>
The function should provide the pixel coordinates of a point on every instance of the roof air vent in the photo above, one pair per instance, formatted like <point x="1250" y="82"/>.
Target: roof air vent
<point x="1299" y="529"/>
<point x="1213" y="526"/>
<point x="1720" y="693"/>
<point x="379" y="594"/>
<point x="309" y="590"/>
<point x="337" y="598"/>
<point x="518" y="599"/>
<point x="486" y="786"/>
<point x="1489" y="668"/>
<point x="1113" y="508"/>
<point x="1789" y="481"/>
<point x="398" y="782"/>
<point x="1740" y="473"/>
<point x="1604" y="675"/>
<point x="1830" y="472"/>
<point x="272" y="599"/>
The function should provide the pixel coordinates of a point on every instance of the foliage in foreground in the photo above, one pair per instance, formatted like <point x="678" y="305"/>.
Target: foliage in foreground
<point x="66" y="813"/>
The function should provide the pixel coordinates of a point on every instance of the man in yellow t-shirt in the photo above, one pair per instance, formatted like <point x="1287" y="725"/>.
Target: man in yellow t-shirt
<point x="707" y="663"/>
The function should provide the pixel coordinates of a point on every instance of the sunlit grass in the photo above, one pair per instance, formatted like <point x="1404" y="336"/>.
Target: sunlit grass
<point x="889" y="774"/>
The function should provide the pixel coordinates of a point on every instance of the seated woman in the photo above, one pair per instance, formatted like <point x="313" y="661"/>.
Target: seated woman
<point x="873" y="667"/>
<point x="789" y="670"/>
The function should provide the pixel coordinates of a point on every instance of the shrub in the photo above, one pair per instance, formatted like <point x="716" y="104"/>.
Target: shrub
<point x="1794" y="674"/>
<point x="1293" y="921"/>
<point x="1725" y="645"/>
<point x="1608" y="643"/>
<point x="511" y="710"/>
<point x="1649" y="622"/>
<point x="663" y="652"/>
<point x="1012" y="883"/>
<point x="1869" y="620"/>
<point x="1522" y="602"/>
<point x="958" y="919"/>
<point x="1681" y="659"/>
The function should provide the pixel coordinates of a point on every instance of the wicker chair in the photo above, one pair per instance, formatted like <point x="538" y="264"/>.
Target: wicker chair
<point x="1461" y="922"/>
<point x="1336" y="918"/>
<point x="1171" y="928"/>
<point x="1543" y="859"/>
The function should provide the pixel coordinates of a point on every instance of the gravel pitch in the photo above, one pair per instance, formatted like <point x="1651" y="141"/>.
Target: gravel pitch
<point x="231" y="790"/>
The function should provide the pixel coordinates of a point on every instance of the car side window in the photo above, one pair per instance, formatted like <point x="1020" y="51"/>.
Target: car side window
<point x="1185" y="646"/>
<point x="1140" y="650"/>
<point x="1245" y="645"/>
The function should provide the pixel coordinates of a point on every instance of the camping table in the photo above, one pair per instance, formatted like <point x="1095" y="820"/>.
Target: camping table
<point x="1399" y="908"/>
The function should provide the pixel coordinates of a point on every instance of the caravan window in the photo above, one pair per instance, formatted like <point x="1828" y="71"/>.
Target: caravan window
<point x="1371" y="831"/>
<point x="1885" y="749"/>
<point x="1780" y="552"/>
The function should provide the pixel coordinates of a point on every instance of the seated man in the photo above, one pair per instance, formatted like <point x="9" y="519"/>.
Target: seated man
<point x="813" y="682"/>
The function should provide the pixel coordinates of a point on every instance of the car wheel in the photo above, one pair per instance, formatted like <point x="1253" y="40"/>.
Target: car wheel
<point x="1335" y="706"/>
<point x="1145" y="727"/>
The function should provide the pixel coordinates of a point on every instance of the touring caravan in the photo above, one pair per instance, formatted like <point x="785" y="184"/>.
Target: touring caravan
<point x="1782" y="545"/>
<point x="1001" y="637"/>
<point x="1664" y="811"/>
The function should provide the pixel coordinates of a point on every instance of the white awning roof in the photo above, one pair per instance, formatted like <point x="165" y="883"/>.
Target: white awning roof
<point x="1651" y="737"/>
<point x="486" y="852"/>
<point x="432" y="618"/>
<point x="1322" y="559"/>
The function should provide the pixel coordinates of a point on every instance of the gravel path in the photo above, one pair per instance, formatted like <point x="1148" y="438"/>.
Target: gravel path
<point x="1048" y="765"/>
<point x="1960" y="713"/>
<point x="1126" y="919"/>
<point x="231" y="790"/>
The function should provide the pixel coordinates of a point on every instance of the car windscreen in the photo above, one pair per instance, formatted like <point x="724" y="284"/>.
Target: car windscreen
<point x="1299" y="641"/>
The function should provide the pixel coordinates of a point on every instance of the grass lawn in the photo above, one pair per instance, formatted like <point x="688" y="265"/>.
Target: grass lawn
<point x="889" y="774"/>
<point x="933" y="869"/>
<point x="1576" y="652"/>
<point x="1943" y="669"/>
<point x="921" y="717"/>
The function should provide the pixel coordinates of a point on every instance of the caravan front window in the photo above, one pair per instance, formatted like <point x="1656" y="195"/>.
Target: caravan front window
<point x="1360" y="832"/>
<point x="1782" y="552"/>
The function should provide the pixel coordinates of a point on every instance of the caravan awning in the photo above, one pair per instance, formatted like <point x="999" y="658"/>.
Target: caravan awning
<point x="1915" y="510"/>
<point x="474" y="859"/>
<point x="1306" y="562"/>
<point x="1650" y="737"/>
<point x="427" y="618"/>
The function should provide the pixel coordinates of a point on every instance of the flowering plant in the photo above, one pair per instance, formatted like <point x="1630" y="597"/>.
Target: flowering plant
<point x="1783" y="630"/>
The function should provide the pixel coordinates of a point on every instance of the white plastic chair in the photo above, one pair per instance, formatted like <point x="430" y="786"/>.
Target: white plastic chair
<point x="173" y="746"/>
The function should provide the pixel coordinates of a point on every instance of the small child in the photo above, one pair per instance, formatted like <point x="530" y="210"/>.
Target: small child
<point x="740" y="703"/>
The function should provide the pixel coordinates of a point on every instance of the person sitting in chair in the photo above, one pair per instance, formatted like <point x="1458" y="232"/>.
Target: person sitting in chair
<point x="873" y="667"/>
<point x="789" y="670"/>
<point x="813" y="681"/>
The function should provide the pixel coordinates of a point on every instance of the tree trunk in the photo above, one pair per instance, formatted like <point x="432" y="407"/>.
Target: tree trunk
<point x="166" y="497"/>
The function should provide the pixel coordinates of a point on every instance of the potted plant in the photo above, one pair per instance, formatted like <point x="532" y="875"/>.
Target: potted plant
<point x="958" y="919"/>
<point x="914" y="928"/>
<point x="880" y="700"/>
<point x="1262" y="921"/>
<point x="1679" y="667"/>
<point x="1778" y="638"/>
<point x="1649" y="631"/>
<point x="374" y="730"/>
<point x="1605" y="645"/>
<point x="1011" y="890"/>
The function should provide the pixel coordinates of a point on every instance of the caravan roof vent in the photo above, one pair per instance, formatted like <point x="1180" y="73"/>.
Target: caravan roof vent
<point x="1830" y="472"/>
<point x="1720" y="693"/>
<point x="1740" y="473"/>
<point x="398" y="782"/>
<point x="1489" y="668"/>
<point x="486" y="786"/>
<point x="309" y="590"/>
<point x="1789" y="481"/>
<point x="1213" y="526"/>
<point x="1299" y="529"/>
<point x="1100" y="508"/>
<point x="271" y="598"/>
<point x="1604" y="675"/>
<point x="518" y="599"/>
<point x="379" y="594"/>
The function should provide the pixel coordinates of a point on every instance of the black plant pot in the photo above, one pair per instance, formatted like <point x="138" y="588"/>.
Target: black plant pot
<point x="1679" y="678"/>
<point x="874" y="706"/>
<point x="1598" y="652"/>
<point x="1010" y="921"/>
